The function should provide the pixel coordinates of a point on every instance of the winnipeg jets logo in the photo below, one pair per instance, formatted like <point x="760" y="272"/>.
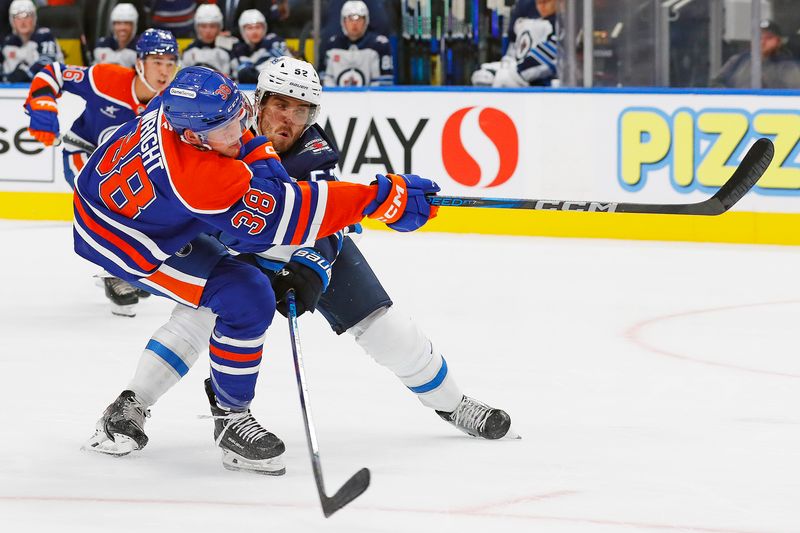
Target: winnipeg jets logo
<point x="351" y="77"/>
<point x="110" y="111"/>
<point x="315" y="146"/>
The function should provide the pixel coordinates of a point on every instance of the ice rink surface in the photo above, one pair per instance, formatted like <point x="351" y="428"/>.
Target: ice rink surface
<point x="656" y="385"/>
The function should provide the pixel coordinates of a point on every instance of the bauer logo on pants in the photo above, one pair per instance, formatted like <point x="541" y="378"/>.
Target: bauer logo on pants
<point x="488" y="163"/>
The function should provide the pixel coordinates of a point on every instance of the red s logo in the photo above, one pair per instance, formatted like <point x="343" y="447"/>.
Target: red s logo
<point x="500" y="130"/>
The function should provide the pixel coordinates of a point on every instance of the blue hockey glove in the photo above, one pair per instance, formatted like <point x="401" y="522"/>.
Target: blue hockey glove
<point x="309" y="274"/>
<point x="400" y="201"/>
<point x="43" y="111"/>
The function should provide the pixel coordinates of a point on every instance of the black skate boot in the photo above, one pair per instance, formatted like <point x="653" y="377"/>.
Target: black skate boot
<point x="123" y="296"/>
<point x="245" y="444"/>
<point x="121" y="428"/>
<point x="479" y="420"/>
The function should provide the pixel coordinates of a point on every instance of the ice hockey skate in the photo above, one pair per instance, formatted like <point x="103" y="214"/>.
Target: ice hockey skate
<point x="245" y="444"/>
<point x="479" y="420"/>
<point x="123" y="296"/>
<point x="121" y="428"/>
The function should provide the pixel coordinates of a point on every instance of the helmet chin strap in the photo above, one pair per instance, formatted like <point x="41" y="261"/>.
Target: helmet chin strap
<point x="140" y="73"/>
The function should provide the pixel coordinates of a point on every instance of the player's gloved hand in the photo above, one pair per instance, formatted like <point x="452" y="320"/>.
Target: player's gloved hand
<point x="308" y="273"/>
<point x="43" y="111"/>
<point x="261" y="156"/>
<point x="400" y="201"/>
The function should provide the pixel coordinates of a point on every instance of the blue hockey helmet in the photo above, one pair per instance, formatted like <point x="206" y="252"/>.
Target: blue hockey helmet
<point x="156" y="42"/>
<point x="204" y="101"/>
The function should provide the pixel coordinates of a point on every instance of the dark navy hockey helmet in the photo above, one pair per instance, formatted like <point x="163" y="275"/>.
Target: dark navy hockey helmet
<point x="156" y="42"/>
<point x="201" y="99"/>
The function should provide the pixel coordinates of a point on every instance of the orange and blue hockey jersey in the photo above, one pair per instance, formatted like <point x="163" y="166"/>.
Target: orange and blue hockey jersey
<point x="145" y="193"/>
<point x="107" y="90"/>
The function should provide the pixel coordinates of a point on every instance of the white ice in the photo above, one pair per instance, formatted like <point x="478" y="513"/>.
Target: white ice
<point x="656" y="385"/>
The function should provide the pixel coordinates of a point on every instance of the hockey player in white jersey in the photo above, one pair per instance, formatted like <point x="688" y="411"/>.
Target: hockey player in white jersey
<point x="26" y="47"/>
<point x="256" y="47"/>
<point x="119" y="47"/>
<point x="532" y="52"/>
<point x="357" y="56"/>
<point x="204" y="50"/>
<point x="354" y="302"/>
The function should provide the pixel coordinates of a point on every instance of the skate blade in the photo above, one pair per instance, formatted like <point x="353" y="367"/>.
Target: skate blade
<point x="267" y="467"/>
<point x="100" y="443"/>
<point x="511" y="435"/>
<point x="123" y="310"/>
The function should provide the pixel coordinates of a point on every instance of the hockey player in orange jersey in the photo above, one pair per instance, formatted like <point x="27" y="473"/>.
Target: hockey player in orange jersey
<point x="143" y="206"/>
<point x="113" y="95"/>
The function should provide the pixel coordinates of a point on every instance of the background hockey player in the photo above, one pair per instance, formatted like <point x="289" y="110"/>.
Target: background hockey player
<point x="204" y="50"/>
<point x="120" y="46"/>
<point x="27" y="48"/>
<point x="113" y="95"/>
<point x="256" y="47"/>
<point x="355" y="300"/>
<point x="357" y="56"/>
<point x="532" y="51"/>
<point x="193" y="173"/>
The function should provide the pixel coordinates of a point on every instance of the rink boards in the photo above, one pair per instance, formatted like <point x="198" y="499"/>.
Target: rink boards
<point x="654" y="146"/>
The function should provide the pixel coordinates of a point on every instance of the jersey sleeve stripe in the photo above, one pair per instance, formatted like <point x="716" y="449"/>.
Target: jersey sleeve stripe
<point x="304" y="213"/>
<point x="46" y="77"/>
<point x="542" y="59"/>
<point x="319" y="212"/>
<point x="286" y="215"/>
<point x="58" y="73"/>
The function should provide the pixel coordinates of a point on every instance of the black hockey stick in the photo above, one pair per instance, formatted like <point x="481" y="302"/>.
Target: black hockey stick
<point x="358" y="483"/>
<point x="746" y="175"/>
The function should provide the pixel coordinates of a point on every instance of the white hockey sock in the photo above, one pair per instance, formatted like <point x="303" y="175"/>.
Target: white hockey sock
<point x="171" y="352"/>
<point x="395" y="341"/>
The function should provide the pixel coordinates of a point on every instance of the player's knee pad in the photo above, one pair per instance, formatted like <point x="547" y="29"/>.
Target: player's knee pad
<point x="396" y="342"/>
<point x="180" y="341"/>
<point x="393" y="340"/>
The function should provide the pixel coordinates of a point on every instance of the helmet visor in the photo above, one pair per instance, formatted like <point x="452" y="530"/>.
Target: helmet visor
<point x="284" y="109"/>
<point x="232" y="130"/>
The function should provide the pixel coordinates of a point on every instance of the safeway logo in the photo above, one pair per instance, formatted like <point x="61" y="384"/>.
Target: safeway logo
<point x="496" y="166"/>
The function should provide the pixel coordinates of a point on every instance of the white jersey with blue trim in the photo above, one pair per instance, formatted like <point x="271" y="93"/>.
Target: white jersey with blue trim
<point x="107" y="50"/>
<point x="367" y="61"/>
<point x="535" y="49"/>
<point x="19" y="57"/>
<point x="207" y="55"/>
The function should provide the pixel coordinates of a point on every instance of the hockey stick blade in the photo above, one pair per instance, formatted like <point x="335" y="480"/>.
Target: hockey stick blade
<point x="352" y="489"/>
<point x="359" y="482"/>
<point x="745" y="176"/>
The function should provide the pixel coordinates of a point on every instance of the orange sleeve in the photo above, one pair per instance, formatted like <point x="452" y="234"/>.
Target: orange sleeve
<point x="346" y="204"/>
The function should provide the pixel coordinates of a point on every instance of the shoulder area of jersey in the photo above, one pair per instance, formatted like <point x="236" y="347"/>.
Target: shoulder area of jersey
<point x="313" y="143"/>
<point x="381" y="39"/>
<point x="110" y="77"/>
